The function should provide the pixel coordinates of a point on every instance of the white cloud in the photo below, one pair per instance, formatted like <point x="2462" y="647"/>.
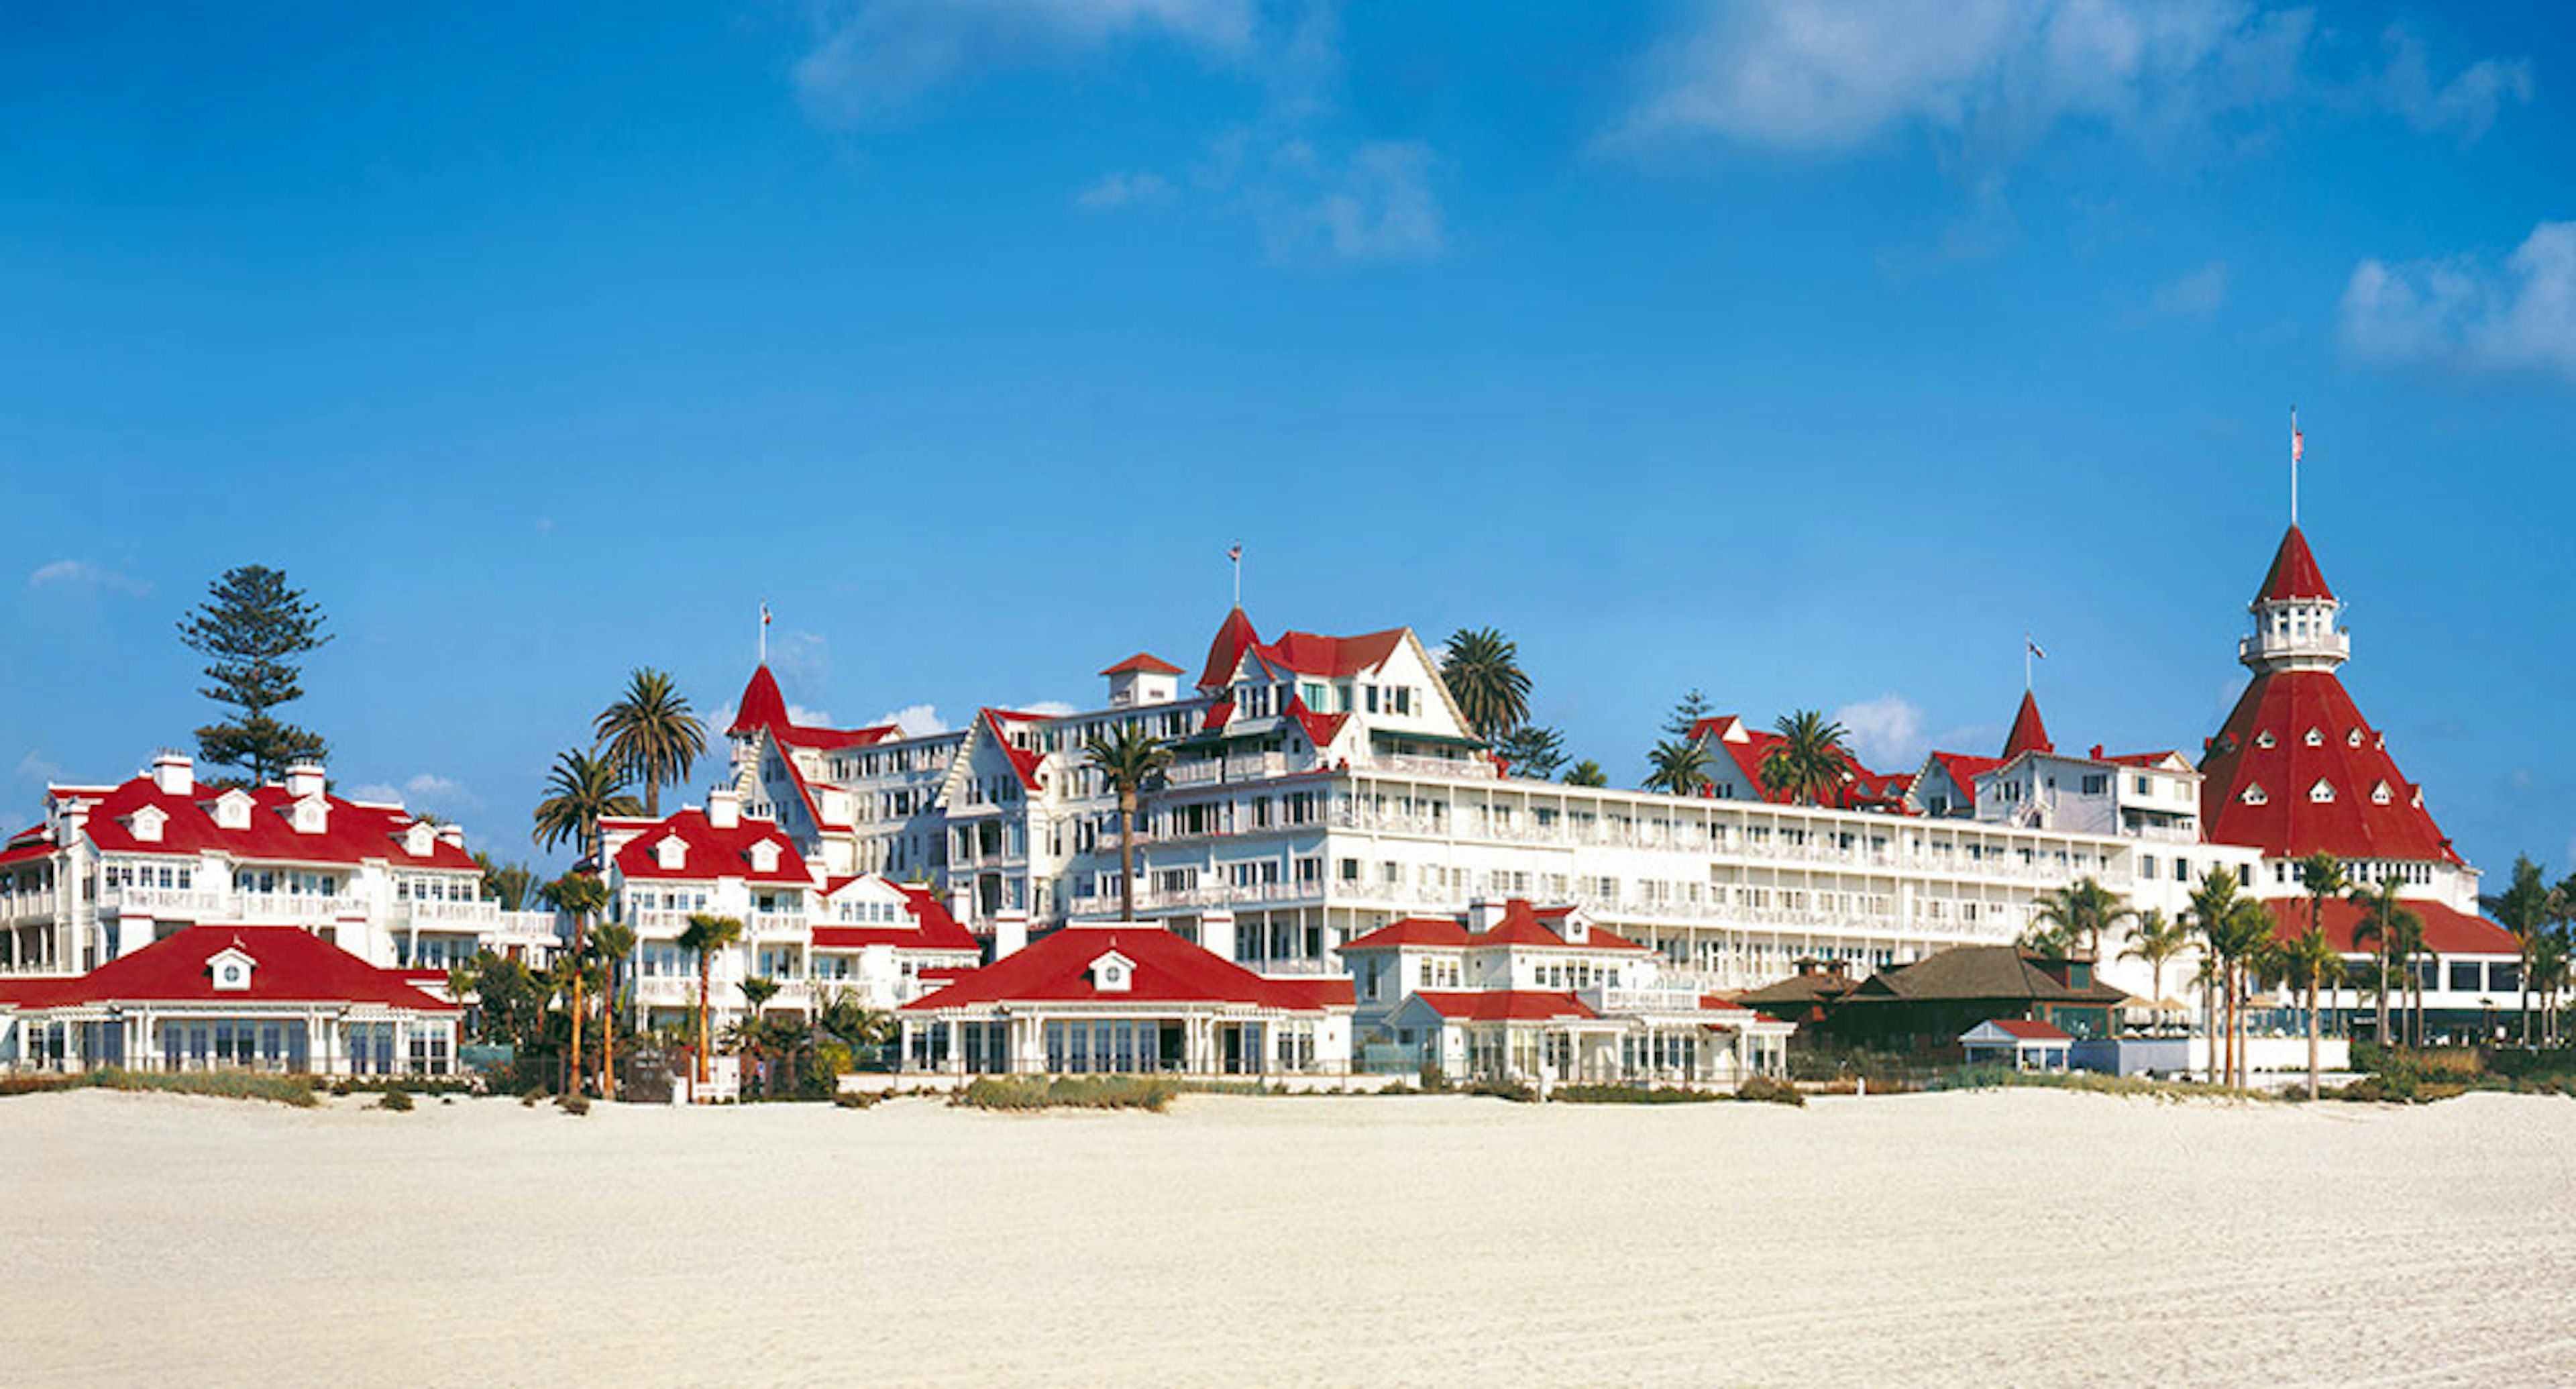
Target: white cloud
<point x="1043" y="708"/>
<point x="2195" y="294"/>
<point x="809" y="718"/>
<point x="377" y="792"/>
<point x="2465" y="316"/>
<point x="429" y="788"/>
<point x="872" y="57"/>
<point x="1317" y="207"/>
<point x="802" y="661"/>
<point x="1886" y="732"/>
<point x="37" y="767"/>
<point x="81" y="574"/>
<point x="1118" y="190"/>
<point x="916" y="720"/>
<point x="2468" y="103"/>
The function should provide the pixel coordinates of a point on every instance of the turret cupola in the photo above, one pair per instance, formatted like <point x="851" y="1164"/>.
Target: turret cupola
<point x="2295" y="615"/>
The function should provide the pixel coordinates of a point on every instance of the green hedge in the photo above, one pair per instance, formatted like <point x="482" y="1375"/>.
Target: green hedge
<point x="1066" y="1092"/>
<point x="296" y="1090"/>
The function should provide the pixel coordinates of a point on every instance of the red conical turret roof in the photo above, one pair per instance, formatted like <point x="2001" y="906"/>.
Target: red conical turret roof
<point x="762" y="705"/>
<point x="2028" y="733"/>
<point x="2294" y="575"/>
<point x="1226" y="652"/>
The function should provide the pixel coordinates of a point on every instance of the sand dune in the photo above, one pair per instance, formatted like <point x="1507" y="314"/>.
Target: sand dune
<point x="2006" y="1238"/>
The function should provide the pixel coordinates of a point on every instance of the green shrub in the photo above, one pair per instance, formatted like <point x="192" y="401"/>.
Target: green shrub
<point x="573" y="1104"/>
<point x="1765" y="1090"/>
<point x="1633" y="1094"/>
<point x="858" y="1099"/>
<point x="1066" y="1092"/>
<point x="1503" y="1088"/>
<point x="231" y="1085"/>
<point x="398" y="1101"/>
<point x="1431" y="1080"/>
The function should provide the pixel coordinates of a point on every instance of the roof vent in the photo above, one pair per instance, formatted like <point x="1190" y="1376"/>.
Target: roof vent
<point x="2254" y="795"/>
<point x="2352" y="739"/>
<point x="2379" y="795"/>
<point x="2321" y="793"/>
<point x="2265" y="739"/>
<point x="2314" y="739"/>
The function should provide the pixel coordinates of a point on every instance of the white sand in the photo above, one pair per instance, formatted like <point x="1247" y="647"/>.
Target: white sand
<point x="1997" y="1238"/>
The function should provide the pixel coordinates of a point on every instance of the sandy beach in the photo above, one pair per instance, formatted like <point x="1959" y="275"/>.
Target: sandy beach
<point x="2010" y="1237"/>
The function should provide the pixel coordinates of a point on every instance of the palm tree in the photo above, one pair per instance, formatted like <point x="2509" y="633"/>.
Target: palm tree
<point x="2244" y="940"/>
<point x="2157" y="941"/>
<point x="2552" y="964"/>
<point x="1679" y="767"/>
<point x="1129" y="757"/>
<point x="2524" y="910"/>
<point x="2383" y="917"/>
<point x="705" y="935"/>
<point x="2321" y="876"/>
<point x="2081" y="911"/>
<point x="651" y="735"/>
<point x="614" y="941"/>
<point x="2305" y="961"/>
<point x="510" y="884"/>
<point x="1587" y="773"/>
<point x="581" y="791"/>
<point x="577" y="895"/>
<point x="1810" y="758"/>
<point x="2408" y="945"/>
<point x="2230" y="932"/>
<point x="749" y="1036"/>
<point x="1482" y="669"/>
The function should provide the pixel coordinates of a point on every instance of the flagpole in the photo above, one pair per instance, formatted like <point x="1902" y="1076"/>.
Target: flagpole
<point x="764" y="634"/>
<point x="2294" y="465"/>
<point x="1235" y="556"/>
<point x="2025" y="661"/>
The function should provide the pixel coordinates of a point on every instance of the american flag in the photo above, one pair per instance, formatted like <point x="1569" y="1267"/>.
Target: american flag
<point x="2034" y="648"/>
<point x="1235" y="553"/>
<point x="764" y="614"/>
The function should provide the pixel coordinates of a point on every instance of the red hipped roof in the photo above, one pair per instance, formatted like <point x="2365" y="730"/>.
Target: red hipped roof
<point x="2291" y="821"/>
<point x="1505" y="1005"/>
<point x="2447" y="931"/>
<point x="1144" y="663"/>
<point x="351" y="832"/>
<point x="1521" y="925"/>
<point x="289" y="965"/>
<point x="712" y="853"/>
<point x="1168" y="969"/>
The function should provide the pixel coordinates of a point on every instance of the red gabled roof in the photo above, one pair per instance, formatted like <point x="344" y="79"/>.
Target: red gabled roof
<point x="1168" y="969"/>
<point x="2447" y="931"/>
<point x="1143" y="663"/>
<point x="1024" y="763"/>
<point x="932" y="927"/>
<point x="351" y="832"/>
<point x="1218" y="716"/>
<point x="1522" y="925"/>
<point x="1859" y="788"/>
<point x="1421" y="932"/>
<point x="1964" y="769"/>
<point x="2028" y="1030"/>
<point x="2287" y="704"/>
<point x="1320" y="728"/>
<point x="2294" y="574"/>
<point x="1233" y="637"/>
<point x="289" y="965"/>
<point x="2028" y="734"/>
<point x="1505" y="1005"/>
<point x="28" y="846"/>
<point x="1309" y="654"/>
<point x="713" y="853"/>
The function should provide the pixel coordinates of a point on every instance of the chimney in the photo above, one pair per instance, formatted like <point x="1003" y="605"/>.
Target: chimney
<point x="724" y="808"/>
<point x="1010" y="934"/>
<point x="174" y="772"/>
<point x="452" y="835"/>
<point x="1484" y="914"/>
<point x="1216" y="933"/>
<point x="304" y="779"/>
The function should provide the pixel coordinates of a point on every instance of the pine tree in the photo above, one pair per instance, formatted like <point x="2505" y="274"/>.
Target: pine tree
<point x="1687" y="712"/>
<point x="252" y="627"/>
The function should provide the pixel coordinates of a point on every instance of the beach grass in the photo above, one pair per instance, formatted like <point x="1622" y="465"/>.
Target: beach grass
<point x="1027" y="1093"/>
<point x="1994" y="1076"/>
<point x="296" y="1090"/>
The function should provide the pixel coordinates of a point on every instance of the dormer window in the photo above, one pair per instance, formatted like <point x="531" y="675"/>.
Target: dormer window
<point x="2254" y="795"/>
<point x="2265" y="739"/>
<point x="764" y="856"/>
<point x="310" y="815"/>
<point x="232" y="810"/>
<point x="1113" y="973"/>
<point x="228" y="971"/>
<point x="146" y="824"/>
<point x="2379" y="795"/>
<point x="2352" y="739"/>
<point x="2321" y="793"/>
<point x="672" y="854"/>
<point x="420" y="839"/>
<point x="2314" y="739"/>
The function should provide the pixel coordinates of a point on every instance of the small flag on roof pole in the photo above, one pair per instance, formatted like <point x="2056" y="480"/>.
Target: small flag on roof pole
<point x="2030" y="650"/>
<point x="764" y="634"/>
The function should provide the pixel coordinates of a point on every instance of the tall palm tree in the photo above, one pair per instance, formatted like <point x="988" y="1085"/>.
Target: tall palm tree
<point x="578" y="895"/>
<point x="510" y="884"/>
<point x="1129" y="757"/>
<point x="2218" y="913"/>
<point x="1482" y="669"/>
<point x="2524" y="910"/>
<point x="2081" y="911"/>
<point x="704" y="936"/>
<point x="2407" y="945"/>
<point x="2243" y="942"/>
<point x="614" y="941"/>
<point x="2552" y="963"/>
<point x="1678" y="767"/>
<point x="1810" y="758"/>
<point x="651" y="735"/>
<point x="2321" y="876"/>
<point x="749" y="1035"/>
<point x="1586" y="773"/>
<point x="581" y="791"/>
<point x="2383" y="917"/>
<point x="2306" y="961"/>
<point x="2157" y="941"/>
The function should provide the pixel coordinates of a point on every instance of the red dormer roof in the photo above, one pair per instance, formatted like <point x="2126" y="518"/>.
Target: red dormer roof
<point x="1320" y="728"/>
<point x="1234" y="637"/>
<point x="2294" y="575"/>
<point x="352" y="833"/>
<point x="1505" y="1005"/>
<point x="2287" y="816"/>
<point x="712" y="853"/>
<point x="1143" y="664"/>
<point x="1168" y="969"/>
<point x="2028" y="734"/>
<point x="288" y="965"/>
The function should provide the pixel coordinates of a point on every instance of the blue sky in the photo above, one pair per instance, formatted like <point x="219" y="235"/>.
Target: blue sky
<point x="1803" y="357"/>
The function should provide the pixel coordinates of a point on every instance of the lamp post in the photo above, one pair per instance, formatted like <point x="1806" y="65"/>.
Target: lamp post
<point x="2486" y="1006"/>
